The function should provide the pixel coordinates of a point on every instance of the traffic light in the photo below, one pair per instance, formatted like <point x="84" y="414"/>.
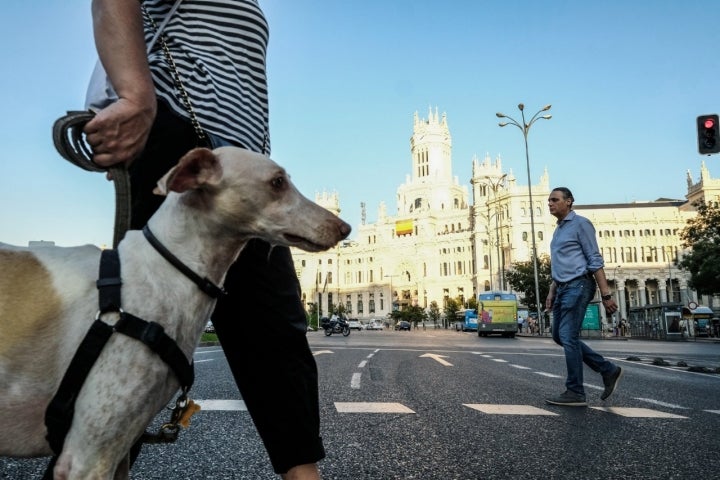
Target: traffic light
<point x="708" y="134"/>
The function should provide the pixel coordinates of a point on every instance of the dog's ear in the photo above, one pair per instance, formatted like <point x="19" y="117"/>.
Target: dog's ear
<point x="198" y="167"/>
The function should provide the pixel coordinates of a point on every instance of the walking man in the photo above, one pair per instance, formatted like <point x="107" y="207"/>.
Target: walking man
<point x="576" y="267"/>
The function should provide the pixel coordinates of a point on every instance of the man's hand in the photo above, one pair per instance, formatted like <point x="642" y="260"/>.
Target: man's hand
<point x="119" y="132"/>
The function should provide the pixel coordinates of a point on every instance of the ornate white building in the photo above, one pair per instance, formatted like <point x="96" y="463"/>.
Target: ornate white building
<point x="439" y="245"/>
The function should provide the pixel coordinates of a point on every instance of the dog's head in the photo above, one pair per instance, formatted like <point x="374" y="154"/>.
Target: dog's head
<point x="245" y="193"/>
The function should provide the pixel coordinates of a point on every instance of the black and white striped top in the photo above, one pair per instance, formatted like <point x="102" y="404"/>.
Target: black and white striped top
<point x="219" y="47"/>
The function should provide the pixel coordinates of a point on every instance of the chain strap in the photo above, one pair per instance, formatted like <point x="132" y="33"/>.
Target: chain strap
<point x="202" y="137"/>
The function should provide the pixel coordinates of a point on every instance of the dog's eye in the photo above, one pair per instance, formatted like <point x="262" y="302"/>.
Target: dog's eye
<point x="278" y="182"/>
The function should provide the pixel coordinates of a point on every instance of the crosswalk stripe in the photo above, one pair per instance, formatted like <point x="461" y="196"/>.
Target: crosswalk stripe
<point x="371" y="407"/>
<point x="494" y="409"/>
<point x="224" y="405"/>
<point x="637" y="412"/>
<point x="661" y="404"/>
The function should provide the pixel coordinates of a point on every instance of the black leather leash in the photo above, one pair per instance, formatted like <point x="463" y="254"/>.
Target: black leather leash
<point x="70" y="143"/>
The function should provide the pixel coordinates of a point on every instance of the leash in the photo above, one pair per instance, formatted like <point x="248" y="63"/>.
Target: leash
<point x="70" y="144"/>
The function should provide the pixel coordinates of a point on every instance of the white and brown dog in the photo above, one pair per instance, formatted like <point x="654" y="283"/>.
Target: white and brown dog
<point x="216" y="201"/>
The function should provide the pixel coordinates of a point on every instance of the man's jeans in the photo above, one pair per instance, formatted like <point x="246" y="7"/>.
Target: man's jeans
<point x="571" y="301"/>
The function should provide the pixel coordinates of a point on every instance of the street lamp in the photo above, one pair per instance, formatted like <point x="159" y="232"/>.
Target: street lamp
<point x="525" y="128"/>
<point x="392" y="297"/>
<point x="501" y="264"/>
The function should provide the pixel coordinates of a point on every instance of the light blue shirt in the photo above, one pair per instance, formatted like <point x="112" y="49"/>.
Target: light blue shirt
<point x="574" y="250"/>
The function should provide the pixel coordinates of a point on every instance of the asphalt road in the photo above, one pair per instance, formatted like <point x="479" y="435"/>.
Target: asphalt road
<point x="439" y="404"/>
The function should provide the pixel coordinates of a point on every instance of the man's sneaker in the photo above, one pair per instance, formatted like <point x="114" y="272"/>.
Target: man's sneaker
<point x="611" y="382"/>
<point x="568" y="399"/>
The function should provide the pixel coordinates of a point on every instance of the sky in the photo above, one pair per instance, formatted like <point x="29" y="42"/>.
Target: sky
<point x="626" y="81"/>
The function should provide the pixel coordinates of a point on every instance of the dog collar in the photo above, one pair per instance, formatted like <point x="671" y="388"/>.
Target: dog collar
<point x="205" y="284"/>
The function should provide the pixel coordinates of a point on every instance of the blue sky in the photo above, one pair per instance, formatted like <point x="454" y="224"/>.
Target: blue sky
<point x="626" y="80"/>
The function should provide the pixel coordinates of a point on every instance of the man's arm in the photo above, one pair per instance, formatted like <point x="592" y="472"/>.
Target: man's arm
<point x="609" y="304"/>
<point x="118" y="133"/>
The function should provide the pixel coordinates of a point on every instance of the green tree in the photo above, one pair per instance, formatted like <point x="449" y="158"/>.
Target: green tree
<point x="414" y="314"/>
<point x="452" y="306"/>
<point x="312" y="314"/>
<point x="472" y="303"/>
<point x="521" y="277"/>
<point x="433" y="312"/>
<point x="702" y="234"/>
<point x="340" y="310"/>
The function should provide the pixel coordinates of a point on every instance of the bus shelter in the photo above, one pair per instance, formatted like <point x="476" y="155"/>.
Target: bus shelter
<point x="661" y="321"/>
<point x="696" y="321"/>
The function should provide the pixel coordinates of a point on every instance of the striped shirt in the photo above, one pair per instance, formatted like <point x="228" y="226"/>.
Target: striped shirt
<point x="219" y="48"/>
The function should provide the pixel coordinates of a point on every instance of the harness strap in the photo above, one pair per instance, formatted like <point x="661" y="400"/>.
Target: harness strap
<point x="109" y="282"/>
<point x="153" y="335"/>
<point x="59" y="413"/>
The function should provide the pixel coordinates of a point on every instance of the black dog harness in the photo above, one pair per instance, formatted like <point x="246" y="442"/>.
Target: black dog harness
<point x="60" y="411"/>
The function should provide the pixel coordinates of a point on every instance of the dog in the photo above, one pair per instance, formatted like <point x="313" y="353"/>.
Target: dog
<point x="215" y="202"/>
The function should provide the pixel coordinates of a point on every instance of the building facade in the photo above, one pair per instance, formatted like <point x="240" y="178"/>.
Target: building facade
<point x="439" y="243"/>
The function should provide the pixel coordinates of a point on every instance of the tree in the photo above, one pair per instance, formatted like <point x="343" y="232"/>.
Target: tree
<point x="312" y="314"/>
<point x="340" y="310"/>
<point x="472" y="303"/>
<point x="521" y="277"/>
<point x="433" y="314"/>
<point x="452" y="306"/>
<point x="702" y="234"/>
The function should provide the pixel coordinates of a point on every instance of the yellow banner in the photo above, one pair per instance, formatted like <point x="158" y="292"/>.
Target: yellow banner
<point x="403" y="227"/>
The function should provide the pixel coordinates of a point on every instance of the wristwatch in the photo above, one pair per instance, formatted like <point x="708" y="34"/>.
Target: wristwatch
<point x="606" y="297"/>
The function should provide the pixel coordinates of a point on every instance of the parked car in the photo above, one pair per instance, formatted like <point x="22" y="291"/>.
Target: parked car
<point x="402" y="325"/>
<point x="374" y="325"/>
<point x="209" y="328"/>
<point x="355" y="324"/>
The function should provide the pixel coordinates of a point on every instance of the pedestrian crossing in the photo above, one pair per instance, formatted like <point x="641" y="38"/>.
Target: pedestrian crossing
<point x="485" y="408"/>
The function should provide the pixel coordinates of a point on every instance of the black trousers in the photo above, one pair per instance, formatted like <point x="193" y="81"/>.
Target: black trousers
<point x="261" y="323"/>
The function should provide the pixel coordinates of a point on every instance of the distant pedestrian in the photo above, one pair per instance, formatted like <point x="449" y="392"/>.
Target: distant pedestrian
<point x="576" y="267"/>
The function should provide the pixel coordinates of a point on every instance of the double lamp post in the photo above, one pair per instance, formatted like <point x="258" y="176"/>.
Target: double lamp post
<point x="525" y="128"/>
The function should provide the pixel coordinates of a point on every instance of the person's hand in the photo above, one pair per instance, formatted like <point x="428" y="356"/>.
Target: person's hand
<point x="610" y="306"/>
<point x="549" y="302"/>
<point x="118" y="133"/>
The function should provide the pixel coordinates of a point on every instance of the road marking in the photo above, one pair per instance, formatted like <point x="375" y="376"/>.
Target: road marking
<point x="662" y="404"/>
<point x="206" y="360"/>
<point x="713" y="411"/>
<point x="499" y="360"/>
<point x="637" y="412"/>
<point x="551" y="375"/>
<point x="437" y="358"/>
<point x="371" y="407"/>
<point x="362" y="364"/>
<point x="595" y="387"/>
<point x="355" y="380"/>
<point x="221" y="405"/>
<point x="320" y="352"/>
<point x="494" y="409"/>
<point x="520" y="367"/>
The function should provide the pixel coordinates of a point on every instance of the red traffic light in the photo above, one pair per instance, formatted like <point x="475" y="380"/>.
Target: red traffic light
<point x="708" y="134"/>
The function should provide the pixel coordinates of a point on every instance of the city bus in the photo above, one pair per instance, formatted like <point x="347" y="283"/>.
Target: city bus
<point x="466" y="320"/>
<point x="497" y="314"/>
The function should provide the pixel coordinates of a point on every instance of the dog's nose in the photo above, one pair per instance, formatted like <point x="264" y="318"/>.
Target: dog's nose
<point x="345" y="229"/>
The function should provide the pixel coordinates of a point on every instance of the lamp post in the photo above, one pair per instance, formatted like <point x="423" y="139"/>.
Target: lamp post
<point x="501" y="264"/>
<point x="525" y="128"/>
<point x="392" y="298"/>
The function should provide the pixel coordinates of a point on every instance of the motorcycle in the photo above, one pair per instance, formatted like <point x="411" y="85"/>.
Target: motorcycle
<point x="336" y="326"/>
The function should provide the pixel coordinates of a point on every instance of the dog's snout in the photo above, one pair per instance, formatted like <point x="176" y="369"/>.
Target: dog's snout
<point x="344" y="229"/>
